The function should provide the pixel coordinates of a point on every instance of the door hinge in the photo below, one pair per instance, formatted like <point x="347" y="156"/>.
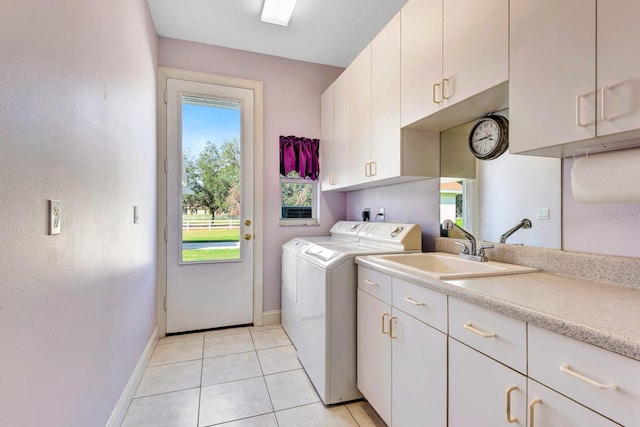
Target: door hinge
<point x="166" y="165"/>
<point x="166" y="234"/>
<point x="166" y="96"/>
<point x="165" y="303"/>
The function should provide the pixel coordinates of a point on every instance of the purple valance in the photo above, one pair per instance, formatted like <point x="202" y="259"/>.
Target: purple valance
<point x="300" y="155"/>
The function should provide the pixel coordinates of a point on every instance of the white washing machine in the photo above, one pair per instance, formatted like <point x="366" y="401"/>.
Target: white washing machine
<point x="341" y="232"/>
<point x="326" y="305"/>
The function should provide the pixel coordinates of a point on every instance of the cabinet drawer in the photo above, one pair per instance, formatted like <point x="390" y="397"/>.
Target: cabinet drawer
<point x="599" y="379"/>
<point x="424" y="304"/>
<point x="375" y="283"/>
<point x="491" y="333"/>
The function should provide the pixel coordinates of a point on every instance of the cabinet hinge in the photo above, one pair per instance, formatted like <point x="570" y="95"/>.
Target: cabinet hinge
<point x="166" y="96"/>
<point x="165" y="303"/>
<point x="166" y="165"/>
<point x="166" y="234"/>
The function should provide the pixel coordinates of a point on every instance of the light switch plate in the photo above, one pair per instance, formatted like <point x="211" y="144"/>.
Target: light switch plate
<point x="55" y="217"/>
<point x="543" y="213"/>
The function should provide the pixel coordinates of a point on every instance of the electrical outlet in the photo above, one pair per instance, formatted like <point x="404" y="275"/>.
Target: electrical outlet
<point x="136" y="214"/>
<point x="55" y="217"/>
<point x="380" y="215"/>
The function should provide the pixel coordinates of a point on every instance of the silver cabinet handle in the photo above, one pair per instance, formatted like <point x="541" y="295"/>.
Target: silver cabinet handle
<point x="370" y="282"/>
<point x="383" y="331"/>
<point x="444" y="87"/>
<point x="434" y="93"/>
<point x="578" y="115"/>
<point x="532" y="406"/>
<point x="412" y="301"/>
<point x="567" y="370"/>
<point x="602" y="106"/>
<point x="469" y="326"/>
<point x="509" y="418"/>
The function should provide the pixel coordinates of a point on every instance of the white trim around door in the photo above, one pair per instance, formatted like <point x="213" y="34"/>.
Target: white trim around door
<point x="258" y="222"/>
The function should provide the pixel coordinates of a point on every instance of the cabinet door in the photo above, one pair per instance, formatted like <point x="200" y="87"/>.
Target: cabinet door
<point x="478" y="390"/>
<point x="618" y="66"/>
<point x="341" y="130"/>
<point x="419" y="373"/>
<point x="475" y="47"/>
<point x="360" y="117"/>
<point x="385" y="102"/>
<point x="326" y="138"/>
<point x="374" y="354"/>
<point x="552" y="77"/>
<point x="421" y="59"/>
<point x="554" y="410"/>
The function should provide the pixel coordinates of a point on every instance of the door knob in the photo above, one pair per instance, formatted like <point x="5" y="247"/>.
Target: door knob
<point x="247" y="236"/>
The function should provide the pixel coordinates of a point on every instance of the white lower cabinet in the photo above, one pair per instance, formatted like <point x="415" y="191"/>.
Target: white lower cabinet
<point x="483" y="392"/>
<point x="550" y="409"/>
<point x="402" y="362"/>
<point x="492" y="370"/>
<point x="374" y="353"/>
<point x="418" y="373"/>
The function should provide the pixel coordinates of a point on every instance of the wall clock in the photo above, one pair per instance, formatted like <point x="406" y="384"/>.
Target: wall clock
<point x="489" y="138"/>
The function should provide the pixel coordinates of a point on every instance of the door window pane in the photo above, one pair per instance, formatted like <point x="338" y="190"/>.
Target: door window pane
<point x="211" y="162"/>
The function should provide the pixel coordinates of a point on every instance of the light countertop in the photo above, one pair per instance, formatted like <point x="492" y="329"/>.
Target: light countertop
<point x="602" y="314"/>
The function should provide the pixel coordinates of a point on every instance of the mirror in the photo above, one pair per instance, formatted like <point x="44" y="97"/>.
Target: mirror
<point x="492" y="199"/>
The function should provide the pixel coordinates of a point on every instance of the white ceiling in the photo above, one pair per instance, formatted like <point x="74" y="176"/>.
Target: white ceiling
<point x="330" y="32"/>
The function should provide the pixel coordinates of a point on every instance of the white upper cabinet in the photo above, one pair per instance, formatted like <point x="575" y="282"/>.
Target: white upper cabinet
<point x="452" y="51"/>
<point x="421" y="59"/>
<point x="475" y="47"/>
<point x="618" y="67"/>
<point x="341" y="130"/>
<point x="369" y="147"/>
<point x="385" y="102"/>
<point x="574" y="76"/>
<point x="326" y="139"/>
<point x="552" y="77"/>
<point x="360" y="118"/>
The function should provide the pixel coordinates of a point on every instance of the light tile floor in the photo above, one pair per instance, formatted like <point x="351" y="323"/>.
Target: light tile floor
<point x="236" y="377"/>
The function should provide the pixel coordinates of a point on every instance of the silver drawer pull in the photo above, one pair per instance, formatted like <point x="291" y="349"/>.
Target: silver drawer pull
<point x="369" y="282"/>
<point x="469" y="326"/>
<point x="567" y="370"/>
<point x="412" y="301"/>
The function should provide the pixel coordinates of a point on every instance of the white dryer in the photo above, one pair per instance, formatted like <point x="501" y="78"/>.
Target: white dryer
<point x="325" y="337"/>
<point x="341" y="232"/>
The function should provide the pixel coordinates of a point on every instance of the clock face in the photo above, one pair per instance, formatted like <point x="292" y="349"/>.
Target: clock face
<point x="488" y="138"/>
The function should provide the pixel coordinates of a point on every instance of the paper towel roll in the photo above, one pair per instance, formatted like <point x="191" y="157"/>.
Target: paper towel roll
<point x="607" y="177"/>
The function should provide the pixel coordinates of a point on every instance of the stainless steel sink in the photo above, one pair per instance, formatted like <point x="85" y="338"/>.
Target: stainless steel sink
<point x="446" y="266"/>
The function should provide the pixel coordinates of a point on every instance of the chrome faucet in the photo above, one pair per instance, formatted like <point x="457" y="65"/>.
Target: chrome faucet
<point x="524" y="224"/>
<point x="467" y="253"/>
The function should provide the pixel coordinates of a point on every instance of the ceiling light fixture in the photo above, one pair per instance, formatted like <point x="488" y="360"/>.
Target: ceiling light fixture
<point x="278" y="11"/>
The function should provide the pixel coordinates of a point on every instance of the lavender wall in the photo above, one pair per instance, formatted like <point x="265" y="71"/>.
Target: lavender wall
<point x="612" y="229"/>
<point x="414" y="202"/>
<point x="292" y="92"/>
<point x="77" y="123"/>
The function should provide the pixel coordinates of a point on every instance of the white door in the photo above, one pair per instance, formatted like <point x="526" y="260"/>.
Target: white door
<point x="209" y="206"/>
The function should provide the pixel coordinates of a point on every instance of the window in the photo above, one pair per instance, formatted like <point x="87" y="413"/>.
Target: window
<point x="299" y="171"/>
<point x="298" y="200"/>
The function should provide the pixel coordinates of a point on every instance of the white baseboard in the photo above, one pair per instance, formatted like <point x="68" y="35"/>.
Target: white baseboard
<point x="132" y="385"/>
<point x="271" y="317"/>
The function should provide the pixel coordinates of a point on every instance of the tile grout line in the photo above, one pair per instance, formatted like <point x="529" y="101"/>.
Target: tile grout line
<point x="264" y="380"/>
<point x="200" y="389"/>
